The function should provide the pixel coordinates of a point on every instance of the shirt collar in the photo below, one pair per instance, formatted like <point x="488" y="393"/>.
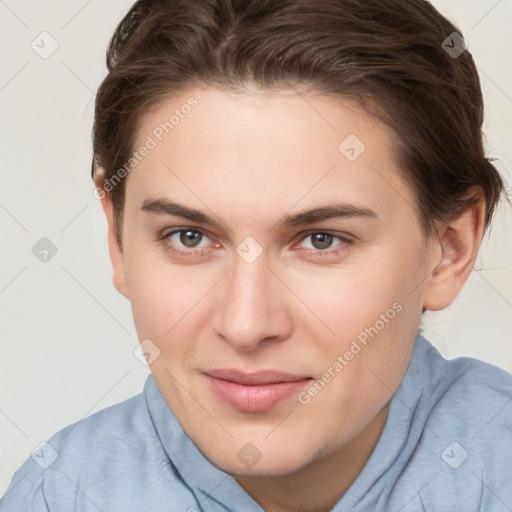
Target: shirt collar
<point x="208" y="482"/>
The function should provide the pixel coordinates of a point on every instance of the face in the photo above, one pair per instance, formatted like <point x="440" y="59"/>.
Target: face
<point x="277" y="335"/>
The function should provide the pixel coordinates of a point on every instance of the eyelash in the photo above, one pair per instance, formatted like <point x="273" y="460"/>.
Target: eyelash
<point x="346" y="241"/>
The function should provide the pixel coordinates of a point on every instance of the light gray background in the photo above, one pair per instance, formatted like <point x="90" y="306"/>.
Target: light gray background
<point x="67" y="336"/>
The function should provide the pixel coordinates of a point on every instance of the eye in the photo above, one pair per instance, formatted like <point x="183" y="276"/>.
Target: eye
<point x="190" y="238"/>
<point x="185" y="242"/>
<point x="188" y="242"/>
<point x="320" y="242"/>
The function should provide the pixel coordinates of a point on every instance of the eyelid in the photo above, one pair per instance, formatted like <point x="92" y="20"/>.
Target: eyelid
<point x="342" y="236"/>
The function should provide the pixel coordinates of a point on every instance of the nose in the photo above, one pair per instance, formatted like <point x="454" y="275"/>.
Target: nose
<point x="252" y="308"/>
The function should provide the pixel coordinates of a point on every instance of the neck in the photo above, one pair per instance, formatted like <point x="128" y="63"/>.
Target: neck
<point x="318" y="486"/>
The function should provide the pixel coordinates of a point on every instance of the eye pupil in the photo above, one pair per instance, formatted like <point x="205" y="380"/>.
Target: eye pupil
<point x="189" y="238"/>
<point x="324" y="240"/>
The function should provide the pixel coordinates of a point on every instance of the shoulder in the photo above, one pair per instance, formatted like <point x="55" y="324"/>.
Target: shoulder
<point x="462" y="457"/>
<point x="125" y="426"/>
<point x="99" y="461"/>
<point x="466" y="392"/>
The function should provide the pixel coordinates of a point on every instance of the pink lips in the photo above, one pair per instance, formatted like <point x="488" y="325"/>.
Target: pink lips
<point x="254" y="392"/>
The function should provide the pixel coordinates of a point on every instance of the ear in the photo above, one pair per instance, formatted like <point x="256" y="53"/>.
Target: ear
<point x="458" y="244"/>
<point x="115" y="248"/>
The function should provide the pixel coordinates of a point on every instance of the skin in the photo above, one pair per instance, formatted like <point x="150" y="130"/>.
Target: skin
<point x="250" y="159"/>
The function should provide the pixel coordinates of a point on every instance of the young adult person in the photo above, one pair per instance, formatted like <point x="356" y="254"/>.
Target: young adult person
<point x="289" y="185"/>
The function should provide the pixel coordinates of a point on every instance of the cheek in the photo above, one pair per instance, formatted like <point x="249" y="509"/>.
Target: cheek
<point x="160" y="296"/>
<point x="365" y="316"/>
<point x="168" y="300"/>
<point x="343" y="302"/>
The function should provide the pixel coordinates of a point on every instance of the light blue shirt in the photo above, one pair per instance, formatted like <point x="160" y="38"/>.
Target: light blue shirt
<point x="446" y="447"/>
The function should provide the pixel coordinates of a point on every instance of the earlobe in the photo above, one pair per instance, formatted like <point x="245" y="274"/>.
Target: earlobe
<point x="115" y="249"/>
<point x="459" y="247"/>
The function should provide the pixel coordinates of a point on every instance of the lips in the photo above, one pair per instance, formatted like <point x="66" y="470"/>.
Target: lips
<point x="254" y="392"/>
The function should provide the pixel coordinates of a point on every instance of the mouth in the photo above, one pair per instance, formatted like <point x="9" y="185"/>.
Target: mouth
<point x="255" y="392"/>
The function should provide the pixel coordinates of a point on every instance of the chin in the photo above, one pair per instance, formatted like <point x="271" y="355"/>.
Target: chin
<point x="274" y="462"/>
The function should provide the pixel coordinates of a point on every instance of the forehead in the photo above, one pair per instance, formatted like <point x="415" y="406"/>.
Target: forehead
<point x="252" y="151"/>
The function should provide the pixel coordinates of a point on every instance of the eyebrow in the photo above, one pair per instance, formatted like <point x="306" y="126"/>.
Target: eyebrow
<point x="312" y="216"/>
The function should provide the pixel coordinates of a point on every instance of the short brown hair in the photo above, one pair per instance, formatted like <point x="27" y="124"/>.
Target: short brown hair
<point x="386" y="54"/>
